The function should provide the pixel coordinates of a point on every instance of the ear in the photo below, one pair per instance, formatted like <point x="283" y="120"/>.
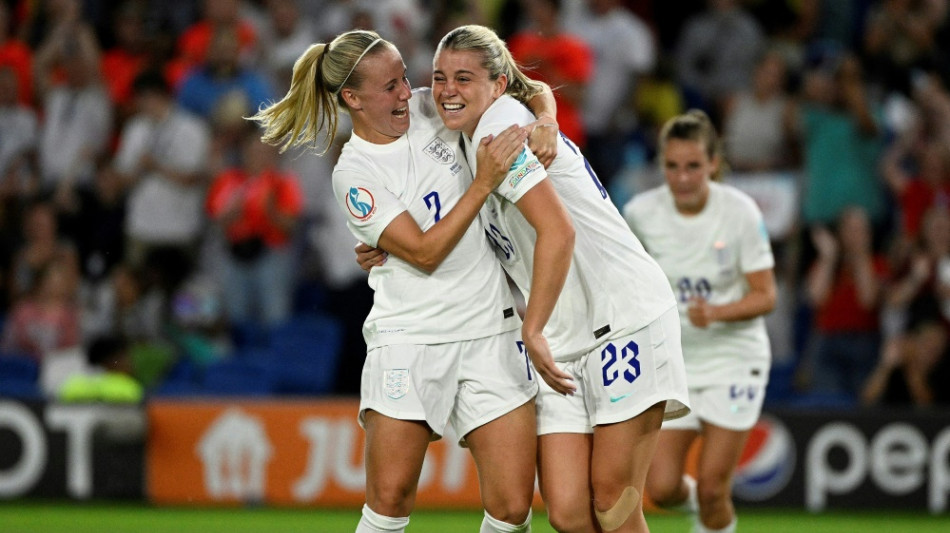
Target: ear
<point x="351" y="99"/>
<point x="499" y="86"/>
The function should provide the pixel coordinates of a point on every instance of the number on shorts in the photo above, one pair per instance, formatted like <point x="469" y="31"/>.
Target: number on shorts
<point x="527" y="360"/>
<point x="609" y="359"/>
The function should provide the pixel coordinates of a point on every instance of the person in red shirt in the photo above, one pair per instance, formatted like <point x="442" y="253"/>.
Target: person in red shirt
<point x="257" y="205"/>
<point x="844" y="288"/>
<point x="194" y="42"/>
<point x="17" y="55"/>
<point x="561" y="60"/>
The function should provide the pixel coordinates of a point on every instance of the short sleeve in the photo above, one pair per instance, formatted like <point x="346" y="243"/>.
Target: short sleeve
<point x="756" y="247"/>
<point x="366" y="204"/>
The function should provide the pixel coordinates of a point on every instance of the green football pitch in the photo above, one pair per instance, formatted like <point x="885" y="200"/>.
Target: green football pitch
<point x="111" y="518"/>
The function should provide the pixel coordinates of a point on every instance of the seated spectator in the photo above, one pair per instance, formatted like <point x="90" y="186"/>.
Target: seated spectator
<point x="109" y="377"/>
<point x="257" y="206"/>
<point x="844" y="287"/>
<point x="47" y="318"/>
<point x="16" y="55"/>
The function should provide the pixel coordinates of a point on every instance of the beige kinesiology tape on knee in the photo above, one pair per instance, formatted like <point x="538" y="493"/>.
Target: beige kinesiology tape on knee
<point x="614" y="517"/>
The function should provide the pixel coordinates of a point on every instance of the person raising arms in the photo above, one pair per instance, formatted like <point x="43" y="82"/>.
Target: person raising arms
<point x="711" y="241"/>
<point x="442" y="335"/>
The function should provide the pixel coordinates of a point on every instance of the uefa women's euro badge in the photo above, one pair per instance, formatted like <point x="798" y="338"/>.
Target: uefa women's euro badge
<point x="396" y="382"/>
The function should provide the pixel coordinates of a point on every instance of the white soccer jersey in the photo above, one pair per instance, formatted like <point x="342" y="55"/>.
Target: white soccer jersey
<point x="613" y="285"/>
<point x="708" y="255"/>
<point x="467" y="296"/>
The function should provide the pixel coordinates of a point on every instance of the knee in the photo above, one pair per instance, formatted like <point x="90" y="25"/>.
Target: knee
<point x="390" y="498"/>
<point x="570" y="520"/>
<point x="663" y="491"/>
<point x="511" y="513"/>
<point x="613" y="512"/>
<point x="712" y="492"/>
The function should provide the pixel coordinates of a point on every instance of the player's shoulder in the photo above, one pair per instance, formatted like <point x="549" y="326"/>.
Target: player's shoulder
<point x="734" y="198"/>
<point x="646" y="203"/>
<point x="505" y="111"/>
<point x="422" y="106"/>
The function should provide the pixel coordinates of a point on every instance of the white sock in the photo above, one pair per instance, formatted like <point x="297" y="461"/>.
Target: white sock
<point x="698" y="527"/>
<point x="691" y="505"/>
<point x="491" y="524"/>
<point x="371" y="522"/>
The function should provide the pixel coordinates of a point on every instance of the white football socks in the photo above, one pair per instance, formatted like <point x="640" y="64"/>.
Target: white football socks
<point x="372" y="522"/>
<point x="491" y="524"/>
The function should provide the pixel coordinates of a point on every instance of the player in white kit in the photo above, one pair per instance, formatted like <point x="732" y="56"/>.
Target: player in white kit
<point x="711" y="241"/>
<point x="442" y="336"/>
<point x="600" y="324"/>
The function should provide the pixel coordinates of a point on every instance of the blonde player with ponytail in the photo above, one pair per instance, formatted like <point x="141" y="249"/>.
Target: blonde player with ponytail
<point x="442" y="336"/>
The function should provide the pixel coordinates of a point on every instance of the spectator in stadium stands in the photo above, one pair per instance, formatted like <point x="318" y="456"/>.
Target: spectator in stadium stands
<point x="257" y="206"/>
<point x="17" y="55"/>
<point x="716" y="54"/>
<point x="218" y="16"/>
<point x="557" y="58"/>
<point x="77" y="113"/>
<point x="163" y="152"/>
<point x="623" y="49"/>
<point x="19" y="129"/>
<point x="841" y="137"/>
<point x="918" y="303"/>
<point x="42" y="245"/>
<point x="45" y="319"/>
<point x="220" y="76"/>
<point x="900" y="36"/>
<point x="756" y="120"/>
<point x="128" y="57"/>
<point x="286" y="35"/>
<point x="108" y="377"/>
<point x="844" y="286"/>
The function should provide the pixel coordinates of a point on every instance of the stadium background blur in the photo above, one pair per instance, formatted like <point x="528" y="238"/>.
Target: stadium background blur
<point x="833" y="113"/>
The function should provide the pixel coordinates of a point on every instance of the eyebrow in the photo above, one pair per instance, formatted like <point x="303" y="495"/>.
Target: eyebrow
<point x="457" y="72"/>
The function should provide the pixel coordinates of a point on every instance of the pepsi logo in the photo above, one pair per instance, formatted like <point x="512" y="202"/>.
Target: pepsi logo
<point x="767" y="462"/>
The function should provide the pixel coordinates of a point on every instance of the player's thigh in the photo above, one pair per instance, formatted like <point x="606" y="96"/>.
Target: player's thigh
<point x="395" y="450"/>
<point x="622" y="451"/>
<point x="720" y="453"/>
<point x="504" y="451"/>
<point x="564" y="472"/>
<point x="669" y="460"/>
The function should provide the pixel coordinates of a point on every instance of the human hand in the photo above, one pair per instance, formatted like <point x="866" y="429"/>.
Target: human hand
<point x="825" y="242"/>
<point x="543" y="139"/>
<point x="700" y="312"/>
<point x="495" y="155"/>
<point x="368" y="257"/>
<point x="540" y="353"/>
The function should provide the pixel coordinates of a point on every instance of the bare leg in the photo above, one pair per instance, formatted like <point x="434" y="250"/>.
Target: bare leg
<point x="717" y="462"/>
<point x="395" y="450"/>
<point x="619" y="463"/>
<point x="665" y="481"/>
<point x="564" y="478"/>
<point x="504" y="451"/>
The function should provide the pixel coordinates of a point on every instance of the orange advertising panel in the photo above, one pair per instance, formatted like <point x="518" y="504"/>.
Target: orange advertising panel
<point x="281" y="453"/>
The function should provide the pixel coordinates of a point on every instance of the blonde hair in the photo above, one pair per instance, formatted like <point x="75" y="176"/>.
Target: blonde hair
<point x="695" y="125"/>
<point x="496" y="58"/>
<point x="313" y="99"/>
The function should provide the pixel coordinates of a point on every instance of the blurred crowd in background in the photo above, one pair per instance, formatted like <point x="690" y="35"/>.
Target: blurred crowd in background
<point x="141" y="217"/>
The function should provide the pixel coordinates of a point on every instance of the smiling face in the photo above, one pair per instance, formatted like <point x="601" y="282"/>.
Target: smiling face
<point x="687" y="168"/>
<point x="462" y="89"/>
<point x="380" y="105"/>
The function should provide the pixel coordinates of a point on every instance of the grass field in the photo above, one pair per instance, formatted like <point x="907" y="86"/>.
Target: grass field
<point x="132" y="518"/>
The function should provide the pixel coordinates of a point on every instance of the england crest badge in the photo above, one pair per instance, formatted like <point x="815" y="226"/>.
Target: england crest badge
<point x="396" y="382"/>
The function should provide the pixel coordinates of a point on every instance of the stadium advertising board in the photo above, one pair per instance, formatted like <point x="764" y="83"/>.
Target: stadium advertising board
<point x="70" y="451"/>
<point x="856" y="459"/>
<point x="281" y="453"/>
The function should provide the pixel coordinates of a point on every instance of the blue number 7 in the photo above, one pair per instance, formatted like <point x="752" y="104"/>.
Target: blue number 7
<point x="432" y="199"/>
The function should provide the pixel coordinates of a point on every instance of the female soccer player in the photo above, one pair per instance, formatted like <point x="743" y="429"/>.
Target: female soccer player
<point x="600" y="324"/>
<point x="442" y="335"/>
<point x="711" y="241"/>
